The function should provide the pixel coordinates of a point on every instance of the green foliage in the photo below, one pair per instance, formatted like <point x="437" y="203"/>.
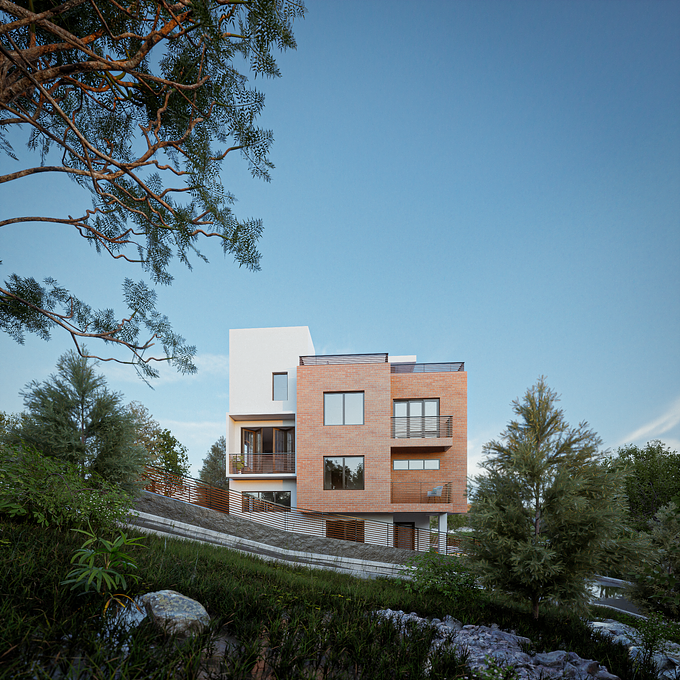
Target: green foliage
<point x="73" y="417"/>
<point x="652" y="637"/>
<point x="656" y="576"/>
<point x="214" y="469"/>
<point x="456" y="521"/>
<point x="652" y="479"/>
<point x="547" y="513"/>
<point x="54" y="493"/>
<point x="103" y="564"/>
<point x="297" y="622"/>
<point x="147" y="142"/>
<point x="440" y="574"/>
<point x="496" y="670"/>
<point x="172" y="456"/>
<point x="164" y="449"/>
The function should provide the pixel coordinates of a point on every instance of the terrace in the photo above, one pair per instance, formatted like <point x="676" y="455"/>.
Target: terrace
<point x="261" y="463"/>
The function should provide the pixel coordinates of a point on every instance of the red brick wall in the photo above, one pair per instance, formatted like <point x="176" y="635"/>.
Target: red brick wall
<point x="372" y="440"/>
<point x="451" y="389"/>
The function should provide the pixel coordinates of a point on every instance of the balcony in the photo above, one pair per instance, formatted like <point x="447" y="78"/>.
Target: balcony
<point x="422" y="427"/>
<point x="421" y="492"/>
<point x="261" y="463"/>
<point x="412" y="367"/>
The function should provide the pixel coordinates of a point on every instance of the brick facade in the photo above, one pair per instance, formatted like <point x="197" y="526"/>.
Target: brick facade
<point x="373" y="440"/>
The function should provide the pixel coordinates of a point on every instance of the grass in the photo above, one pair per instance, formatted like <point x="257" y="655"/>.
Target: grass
<point x="278" y="621"/>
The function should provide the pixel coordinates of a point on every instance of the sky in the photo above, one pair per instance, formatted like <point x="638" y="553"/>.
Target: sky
<point x="474" y="180"/>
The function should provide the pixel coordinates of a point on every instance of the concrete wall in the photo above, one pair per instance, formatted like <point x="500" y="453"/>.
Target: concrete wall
<point x="254" y="355"/>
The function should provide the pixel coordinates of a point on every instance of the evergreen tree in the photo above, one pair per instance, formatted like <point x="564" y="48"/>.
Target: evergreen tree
<point x="72" y="416"/>
<point x="547" y="514"/>
<point x="214" y="470"/>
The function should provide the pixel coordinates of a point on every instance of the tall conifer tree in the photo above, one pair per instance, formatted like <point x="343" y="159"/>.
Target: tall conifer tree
<point x="547" y="514"/>
<point x="214" y="470"/>
<point x="73" y="416"/>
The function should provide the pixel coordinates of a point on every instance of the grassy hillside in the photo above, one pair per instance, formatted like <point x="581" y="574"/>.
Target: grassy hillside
<point x="278" y="622"/>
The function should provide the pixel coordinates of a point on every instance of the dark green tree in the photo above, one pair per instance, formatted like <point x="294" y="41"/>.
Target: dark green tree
<point x="171" y="455"/>
<point x="652" y="479"/>
<point x="139" y="103"/>
<point x="547" y="513"/>
<point x="214" y="469"/>
<point x="656" y="577"/>
<point x="73" y="417"/>
<point x="164" y="449"/>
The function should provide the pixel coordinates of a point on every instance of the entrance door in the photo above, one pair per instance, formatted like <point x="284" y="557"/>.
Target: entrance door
<point x="405" y="535"/>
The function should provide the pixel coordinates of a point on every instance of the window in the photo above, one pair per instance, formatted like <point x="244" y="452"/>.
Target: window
<point x="268" y="440"/>
<point x="416" y="464"/>
<point x="260" y="501"/>
<point x="280" y="386"/>
<point x="344" y="472"/>
<point x="415" y="418"/>
<point x="343" y="408"/>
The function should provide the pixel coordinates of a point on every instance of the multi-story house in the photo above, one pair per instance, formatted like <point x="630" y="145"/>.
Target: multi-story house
<point x="366" y="436"/>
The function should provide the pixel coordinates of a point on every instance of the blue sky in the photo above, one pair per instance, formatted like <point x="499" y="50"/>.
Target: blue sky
<point x="482" y="181"/>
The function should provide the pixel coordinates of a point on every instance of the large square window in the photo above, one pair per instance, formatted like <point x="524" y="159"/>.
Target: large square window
<point x="343" y="472"/>
<point x="343" y="408"/>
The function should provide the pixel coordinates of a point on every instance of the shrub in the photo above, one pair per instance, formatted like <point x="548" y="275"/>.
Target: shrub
<point x="656" y="579"/>
<point x="55" y="493"/>
<point x="430" y="571"/>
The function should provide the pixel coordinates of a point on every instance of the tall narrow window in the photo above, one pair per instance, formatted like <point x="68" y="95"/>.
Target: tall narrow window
<point x="280" y="386"/>
<point x="343" y="408"/>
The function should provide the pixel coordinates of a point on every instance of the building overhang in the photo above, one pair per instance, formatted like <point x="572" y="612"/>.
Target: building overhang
<point x="262" y="416"/>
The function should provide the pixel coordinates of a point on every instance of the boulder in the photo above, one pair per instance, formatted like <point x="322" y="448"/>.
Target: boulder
<point x="175" y="613"/>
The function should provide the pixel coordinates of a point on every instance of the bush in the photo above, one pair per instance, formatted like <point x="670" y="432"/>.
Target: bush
<point x="55" y="493"/>
<point x="657" y="577"/>
<point x="430" y="571"/>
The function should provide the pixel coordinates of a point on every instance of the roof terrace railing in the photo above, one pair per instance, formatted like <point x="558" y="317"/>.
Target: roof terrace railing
<point x="325" y="359"/>
<point x="412" y="367"/>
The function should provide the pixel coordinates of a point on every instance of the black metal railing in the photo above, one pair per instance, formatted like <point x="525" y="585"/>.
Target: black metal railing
<point x="261" y="463"/>
<point x="422" y="427"/>
<point x="421" y="492"/>
<point x="292" y="519"/>
<point x="412" y="367"/>
<point x="325" y="359"/>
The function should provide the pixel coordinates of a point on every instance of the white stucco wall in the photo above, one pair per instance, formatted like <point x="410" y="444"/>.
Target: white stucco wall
<point x="254" y="355"/>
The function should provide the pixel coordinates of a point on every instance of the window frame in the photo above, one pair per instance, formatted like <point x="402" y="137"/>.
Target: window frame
<point x="274" y="375"/>
<point x="327" y="484"/>
<point x="344" y="410"/>
<point x="408" y="462"/>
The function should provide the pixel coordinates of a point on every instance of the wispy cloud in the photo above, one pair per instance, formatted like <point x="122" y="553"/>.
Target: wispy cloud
<point x="217" y="365"/>
<point x="657" y="427"/>
<point x="208" y="365"/>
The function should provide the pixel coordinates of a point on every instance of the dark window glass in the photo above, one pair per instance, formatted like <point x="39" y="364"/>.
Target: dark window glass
<point x="343" y="472"/>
